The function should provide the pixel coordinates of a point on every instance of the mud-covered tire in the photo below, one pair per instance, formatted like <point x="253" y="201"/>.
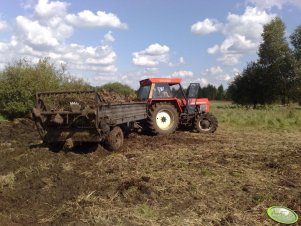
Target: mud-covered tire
<point x="206" y="123"/>
<point x="163" y="119"/>
<point x="114" y="140"/>
<point x="55" y="146"/>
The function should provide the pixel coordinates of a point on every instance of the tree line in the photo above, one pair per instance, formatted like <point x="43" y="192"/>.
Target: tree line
<point x="276" y="75"/>
<point x="213" y="93"/>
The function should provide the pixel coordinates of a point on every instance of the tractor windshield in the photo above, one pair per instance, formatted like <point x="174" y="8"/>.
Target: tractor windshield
<point x="165" y="90"/>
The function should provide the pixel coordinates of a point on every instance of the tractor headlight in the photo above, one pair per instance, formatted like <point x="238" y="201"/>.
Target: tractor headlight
<point x="203" y="107"/>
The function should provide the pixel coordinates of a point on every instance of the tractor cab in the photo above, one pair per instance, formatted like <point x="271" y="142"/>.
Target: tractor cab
<point x="158" y="88"/>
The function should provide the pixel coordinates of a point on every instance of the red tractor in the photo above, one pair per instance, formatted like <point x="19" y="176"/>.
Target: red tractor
<point x="168" y="106"/>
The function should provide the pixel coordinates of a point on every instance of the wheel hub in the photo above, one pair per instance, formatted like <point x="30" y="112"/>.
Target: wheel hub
<point x="205" y="124"/>
<point x="164" y="120"/>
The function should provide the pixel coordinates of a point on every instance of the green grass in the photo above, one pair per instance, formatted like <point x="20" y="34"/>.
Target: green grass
<point x="146" y="211"/>
<point x="269" y="117"/>
<point x="2" y="118"/>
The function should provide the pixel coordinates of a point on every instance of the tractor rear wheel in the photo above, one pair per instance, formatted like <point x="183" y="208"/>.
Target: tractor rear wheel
<point x="163" y="118"/>
<point x="114" y="140"/>
<point x="206" y="123"/>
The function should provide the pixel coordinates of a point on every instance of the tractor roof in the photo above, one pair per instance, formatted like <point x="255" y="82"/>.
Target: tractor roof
<point x="160" y="80"/>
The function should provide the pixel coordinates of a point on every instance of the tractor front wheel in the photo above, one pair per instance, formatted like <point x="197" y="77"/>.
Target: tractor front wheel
<point x="114" y="140"/>
<point x="206" y="123"/>
<point x="163" y="118"/>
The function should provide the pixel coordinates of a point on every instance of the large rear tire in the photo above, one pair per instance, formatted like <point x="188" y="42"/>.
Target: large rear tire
<point x="206" y="123"/>
<point x="163" y="118"/>
<point x="114" y="140"/>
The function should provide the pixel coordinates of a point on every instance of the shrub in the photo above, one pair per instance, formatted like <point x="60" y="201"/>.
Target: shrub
<point x="21" y="80"/>
<point x="117" y="88"/>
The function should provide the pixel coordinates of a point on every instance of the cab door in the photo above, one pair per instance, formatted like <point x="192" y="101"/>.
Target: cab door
<point x="192" y="95"/>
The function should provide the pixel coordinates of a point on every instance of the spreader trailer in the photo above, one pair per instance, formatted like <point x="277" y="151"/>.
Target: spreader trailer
<point x="82" y="116"/>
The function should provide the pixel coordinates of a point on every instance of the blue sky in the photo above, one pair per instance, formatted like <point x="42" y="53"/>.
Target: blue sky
<point x="126" y="41"/>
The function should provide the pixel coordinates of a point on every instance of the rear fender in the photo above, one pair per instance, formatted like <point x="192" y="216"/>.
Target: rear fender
<point x="176" y="102"/>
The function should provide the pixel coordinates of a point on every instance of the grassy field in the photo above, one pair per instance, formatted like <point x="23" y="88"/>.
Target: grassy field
<point x="228" y="178"/>
<point x="2" y="118"/>
<point x="270" y="117"/>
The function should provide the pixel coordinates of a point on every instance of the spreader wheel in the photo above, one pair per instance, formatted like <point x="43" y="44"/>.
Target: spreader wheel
<point x="206" y="123"/>
<point x="114" y="140"/>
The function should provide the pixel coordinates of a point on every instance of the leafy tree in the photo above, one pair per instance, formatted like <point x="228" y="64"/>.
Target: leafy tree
<point x="220" y="93"/>
<point x="236" y="90"/>
<point x="276" y="57"/>
<point x="20" y="80"/>
<point x="209" y="92"/>
<point x="250" y="87"/>
<point x="117" y="88"/>
<point x="296" y="43"/>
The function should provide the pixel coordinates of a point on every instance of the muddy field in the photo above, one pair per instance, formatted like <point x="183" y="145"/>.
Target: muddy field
<point x="226" y="178"/>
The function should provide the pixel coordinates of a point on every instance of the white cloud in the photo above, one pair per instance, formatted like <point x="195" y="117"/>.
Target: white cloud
<point x="100" y="59"/>
<point x="250" y="24"/>
<point x="230" y="59"/>
<point x="181" y="60"/>
<point x="3" y="25"/>
<point x="156" y="49"/>
<point x="182" y="74"/>
<point x="214" y="70"/>
<point x="213" y="49"/>
<point x="132" y="77"/>
<point x="216" y="73"/>
<point x="87" y="18"/>
<point x="97" y="59"/>
<point x="47" y="9"/>
<point x="143" y="60"/>
<point x="203" y="81"/>
<point x="105" y="60"/>
<point x="242" y="35"/>
<point x="34" y="34"/>
<point x="225" y="77"/>
<point x="38" y="36"/>
<point x="108" y="37"/>
<point x="45" y="32"/>
<point x="205" y="27"/>
<point x="152" y="56"/>
<point x="237" y="43"/>
<point x="46" y="28"/>
<point x="268" y="4"/>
